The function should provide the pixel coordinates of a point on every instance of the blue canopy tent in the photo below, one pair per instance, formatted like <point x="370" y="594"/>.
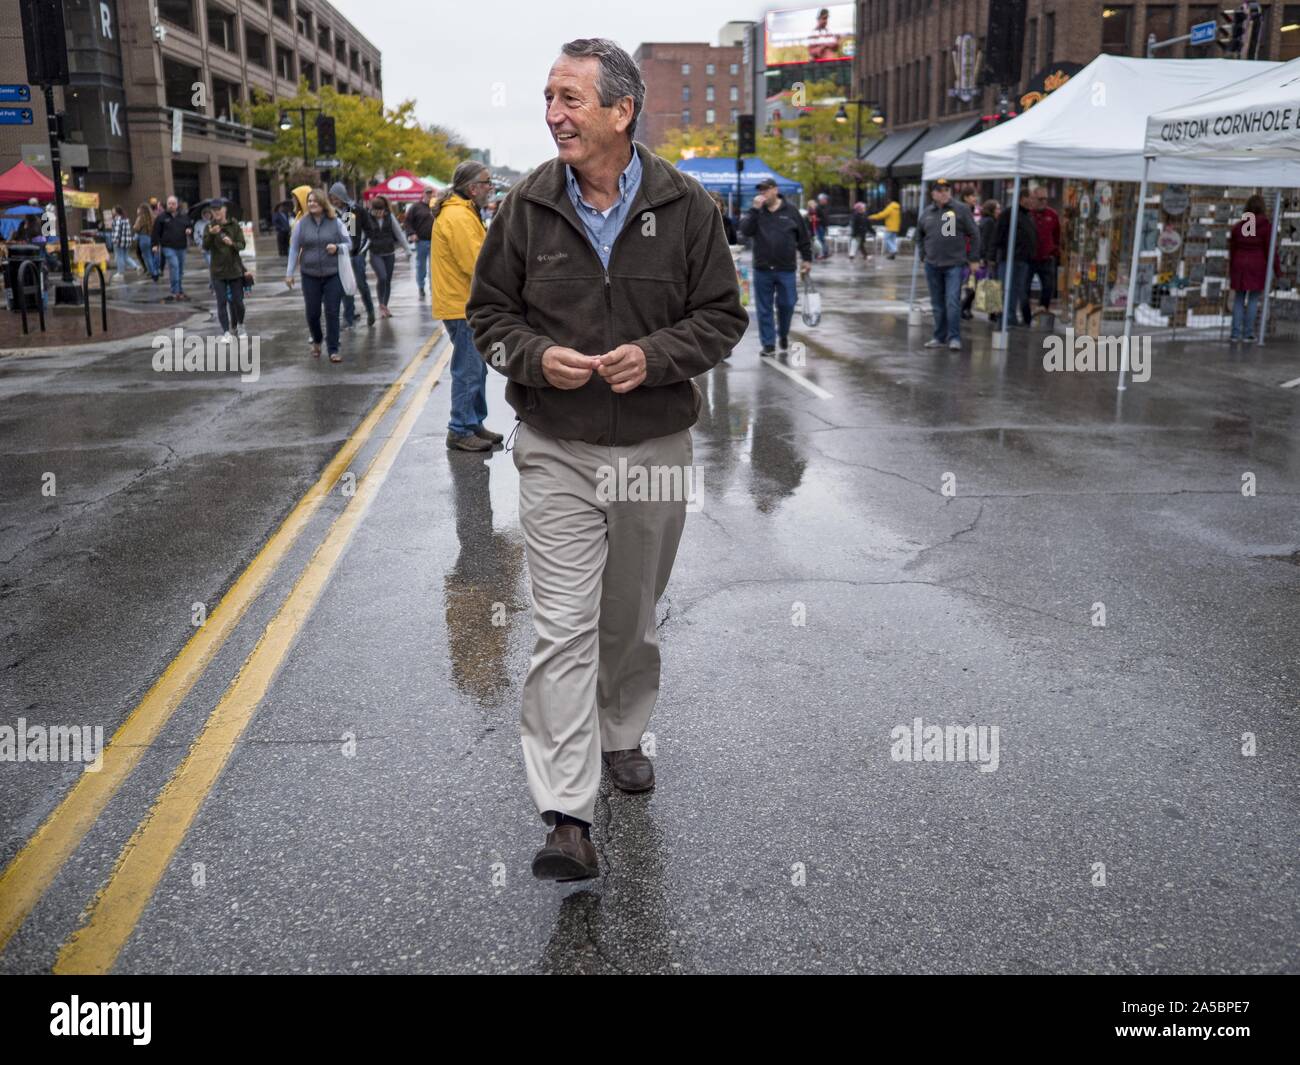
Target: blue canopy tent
<point x="718" y="174"/>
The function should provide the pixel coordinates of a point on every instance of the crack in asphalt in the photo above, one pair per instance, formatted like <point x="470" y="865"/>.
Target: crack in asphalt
<point x="915" y="560"/>
<point x="139" y="475"/>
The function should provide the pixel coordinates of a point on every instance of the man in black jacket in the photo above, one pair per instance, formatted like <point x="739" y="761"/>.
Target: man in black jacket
<point x="171" y="233"/>
<point x="859" y="232"/>
<point x="419" y="221"/>
<point x="1026" y="251"/>
<point x="778" y="231"/>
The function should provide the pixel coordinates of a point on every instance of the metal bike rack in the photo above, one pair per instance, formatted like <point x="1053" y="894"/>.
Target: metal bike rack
<point x="21" y="294"/>
<point x="85" y="295"/>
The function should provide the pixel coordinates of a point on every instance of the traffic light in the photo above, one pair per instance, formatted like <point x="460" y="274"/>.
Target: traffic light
<point x="1232" y="29"/>
<point x="325" y="141"/>
<point x="745" y="143"/>
<point x="1256" y="31"/>
<point x="45" y="42"/>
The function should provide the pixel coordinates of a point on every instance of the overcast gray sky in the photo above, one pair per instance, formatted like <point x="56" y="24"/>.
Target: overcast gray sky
<point x="479" y="67"/>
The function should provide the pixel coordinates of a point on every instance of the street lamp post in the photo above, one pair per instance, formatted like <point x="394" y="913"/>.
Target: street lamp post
<point x="286" y="123"/>
<point x="877" y="117"/>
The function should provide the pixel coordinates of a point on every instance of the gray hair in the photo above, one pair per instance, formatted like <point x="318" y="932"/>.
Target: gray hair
<point x="619" y="75"/>
<point x="465" y="174"/>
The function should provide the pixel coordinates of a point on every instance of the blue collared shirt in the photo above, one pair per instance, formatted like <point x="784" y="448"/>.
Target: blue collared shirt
<point x="603" y="227"/>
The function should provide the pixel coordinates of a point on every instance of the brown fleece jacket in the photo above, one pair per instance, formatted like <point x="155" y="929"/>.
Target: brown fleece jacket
<point x="670" y="288"/>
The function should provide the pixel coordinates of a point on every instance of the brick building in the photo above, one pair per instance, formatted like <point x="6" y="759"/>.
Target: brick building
<point x="693" y="84"/>
<point x="150" y="105"/>
<point x="904" y="64"/>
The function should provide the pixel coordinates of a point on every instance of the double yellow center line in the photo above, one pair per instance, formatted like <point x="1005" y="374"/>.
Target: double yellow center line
<point x="117" y="908"/>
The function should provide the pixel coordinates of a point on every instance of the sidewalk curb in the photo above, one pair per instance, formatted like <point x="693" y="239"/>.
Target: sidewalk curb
<point x="104" y="346"/>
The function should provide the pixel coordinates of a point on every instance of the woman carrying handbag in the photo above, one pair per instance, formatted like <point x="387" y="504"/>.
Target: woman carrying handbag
<point x="318" y="243"/>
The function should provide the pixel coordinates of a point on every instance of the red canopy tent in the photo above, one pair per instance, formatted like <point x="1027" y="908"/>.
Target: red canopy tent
<point x="402" y="187"/>
<point x="21" y="182"/>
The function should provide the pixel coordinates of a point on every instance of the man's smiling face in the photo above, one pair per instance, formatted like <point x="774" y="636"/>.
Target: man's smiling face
<point x="583" y="130"/>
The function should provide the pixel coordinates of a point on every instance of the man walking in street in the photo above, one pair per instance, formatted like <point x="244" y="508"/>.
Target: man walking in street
<point x="859" y="232"/>
<point x="891" y="217"/>
<point x="123" y="239"/>
<point x="171" y="233"/>
<point x="823" y="224"/>
<point x="1047" y="228"/>
<point x="605" y="284"/>
<point x="945" y="232"/>
<point x="1016" y="273"/>
<point x="456" y="236"/>
<point x="359" y="227"/>
<point x="419" y="221"/>
<point x="780" y="235"/>
<point x="282" y="223"/>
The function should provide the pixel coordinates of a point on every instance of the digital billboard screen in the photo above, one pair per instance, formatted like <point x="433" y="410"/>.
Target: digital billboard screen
<point x="810" y="35"/>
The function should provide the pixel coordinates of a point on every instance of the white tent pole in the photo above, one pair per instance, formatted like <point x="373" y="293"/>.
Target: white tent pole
<point x="1272" y="251"/>
<point x="916" y="250"/>
<point x="1129" y="307"/>
<point x="1011" y="266"/>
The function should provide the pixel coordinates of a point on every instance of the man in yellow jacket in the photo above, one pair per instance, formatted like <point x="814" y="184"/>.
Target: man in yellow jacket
<point x="455" y="241"/>
<point x="892" y="216"/>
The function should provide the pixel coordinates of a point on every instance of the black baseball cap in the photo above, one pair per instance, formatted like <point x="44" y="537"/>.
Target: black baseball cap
<point x="941" y="183"/>
<point x="766" y="183"/>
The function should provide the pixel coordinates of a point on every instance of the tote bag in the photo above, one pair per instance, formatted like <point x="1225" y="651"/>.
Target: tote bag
<point x="988" y="296"/>
<point x="346" y="276"/>
<point x="811" y="309"/>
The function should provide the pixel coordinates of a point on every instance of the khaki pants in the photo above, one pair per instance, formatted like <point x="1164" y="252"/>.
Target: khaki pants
<point x="597" y="567"/>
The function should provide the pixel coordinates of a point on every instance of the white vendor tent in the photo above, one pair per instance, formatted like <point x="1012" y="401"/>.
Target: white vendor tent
<point x="1256" y="116"/>
<point x="1254" y="119"/>
<point x="1095" y="127"/>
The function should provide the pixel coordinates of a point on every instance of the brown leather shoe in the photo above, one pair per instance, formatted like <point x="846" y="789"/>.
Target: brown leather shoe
<point x="567" y="855"/>
<point x="630" y="770"/>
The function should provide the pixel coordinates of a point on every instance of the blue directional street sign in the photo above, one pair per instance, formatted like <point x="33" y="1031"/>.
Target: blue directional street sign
<point x="1203" y="32"/>
<point x="15" y="94"/>
<point x="15" y="116"/>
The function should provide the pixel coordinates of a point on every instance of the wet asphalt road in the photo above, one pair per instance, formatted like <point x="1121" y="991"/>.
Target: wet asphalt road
<point x="783" y="836"/>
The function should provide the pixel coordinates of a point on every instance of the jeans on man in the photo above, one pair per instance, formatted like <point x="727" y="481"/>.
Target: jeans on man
<point x="468" y="379"/>
<point x="363" y="290"/>
<point x="328" y="291"/>
<point x="778" y="285"/>
<point x="1019" y="287"/>
<point x="891" y="242"/>
<point x="945" y="300"/>
<point x="175" y="259"/>
<point x="1244" y="307"/>
<point x="422" y="263"/>
<point x="1045" y="271"/>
